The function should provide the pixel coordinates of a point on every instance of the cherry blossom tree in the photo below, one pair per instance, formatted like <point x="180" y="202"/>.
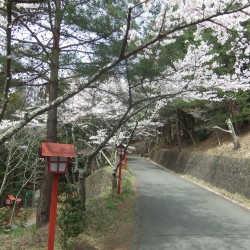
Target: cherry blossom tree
<point x="112" y="39"/>
<point x="163" y="30"/>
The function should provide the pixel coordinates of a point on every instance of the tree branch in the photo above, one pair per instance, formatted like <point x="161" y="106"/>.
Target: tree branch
<point x="125" y="40"/>
<point x="28" y="1"/>
<point x="224" y="130"/>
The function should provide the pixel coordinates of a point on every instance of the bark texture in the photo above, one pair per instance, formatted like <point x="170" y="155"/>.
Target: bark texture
<point x="43" y="210"/>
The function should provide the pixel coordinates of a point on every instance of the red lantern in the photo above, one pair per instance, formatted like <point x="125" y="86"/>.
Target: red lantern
<point x="18" y="200"/>
<point x="121" y="149"/>
<point x="8" y="202"/>
<point x="57" y="156"/>
<point x="10" y="199"/>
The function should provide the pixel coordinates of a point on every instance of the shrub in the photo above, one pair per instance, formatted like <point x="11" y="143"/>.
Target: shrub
<point x="4" y="215"/>
<point x="71" y="218"/>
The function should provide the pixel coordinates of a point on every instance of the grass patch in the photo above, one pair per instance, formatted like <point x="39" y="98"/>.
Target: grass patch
<point x="23" y="238"/>
<point x="102" y="211"/>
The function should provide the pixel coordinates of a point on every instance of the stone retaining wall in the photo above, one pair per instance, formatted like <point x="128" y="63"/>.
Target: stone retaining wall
<point x="232" y="174"/>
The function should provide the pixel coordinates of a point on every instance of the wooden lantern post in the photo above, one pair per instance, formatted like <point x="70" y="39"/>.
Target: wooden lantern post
<point x="120" y="152"/>
<point x="57" y="157"/>
<point x="125" y="159"/>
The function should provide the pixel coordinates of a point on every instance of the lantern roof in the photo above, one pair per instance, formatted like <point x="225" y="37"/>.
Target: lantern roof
<point x="120" y="146"/>
<point x="11" y="197"/>
<point x="58" y="149"/>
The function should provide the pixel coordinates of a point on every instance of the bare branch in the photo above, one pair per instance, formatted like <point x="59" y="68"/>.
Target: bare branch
<point x="224" y="130"/>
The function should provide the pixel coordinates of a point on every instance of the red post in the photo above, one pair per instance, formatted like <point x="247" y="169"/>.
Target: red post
<point x="119" y="175"/>
<point x="53" y="207"/>
<point x="16" y="210"/>
<point x="8" y="214"/>
<point x="125" y="160"/>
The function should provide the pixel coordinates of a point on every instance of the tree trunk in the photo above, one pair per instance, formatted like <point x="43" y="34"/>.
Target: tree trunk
<point x="82" y="187"/>
<point x="43" y="210"/>
<point x="178" y="131"/>
<point x="83" y="173"/>
<point x="169" y="134"/>
<point x="183" y="123"/>
<point x="4" y="97"/>
<point x="114" y="183"/>
<point x="192" y="124"/>
<point x="234" y="137"/>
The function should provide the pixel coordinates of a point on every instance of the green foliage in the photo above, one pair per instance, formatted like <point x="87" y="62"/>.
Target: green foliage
<point x="160" y="58"/>
<point x="71" y="218"/>
<point x="19" y="220"/>
<point x="101" y="22"/>
<point x="4" y="215"/>
<point x="201" y="132"/>
<point x="169" y="110"/>
<point x="241" y="108"/>
<point x="16" y="101"/>
<point x="22" y="217"/>
<point x="243" y="98"/>
<point x="225" y="60"/>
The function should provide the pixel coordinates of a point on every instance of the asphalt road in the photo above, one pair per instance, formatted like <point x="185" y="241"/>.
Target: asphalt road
<point x="175" y="214"/>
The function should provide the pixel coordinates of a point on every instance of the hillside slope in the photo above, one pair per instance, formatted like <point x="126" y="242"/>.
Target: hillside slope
<point x="211" y="145"/>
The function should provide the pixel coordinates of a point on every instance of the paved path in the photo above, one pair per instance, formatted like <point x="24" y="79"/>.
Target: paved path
<point x="175" y="214"/>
